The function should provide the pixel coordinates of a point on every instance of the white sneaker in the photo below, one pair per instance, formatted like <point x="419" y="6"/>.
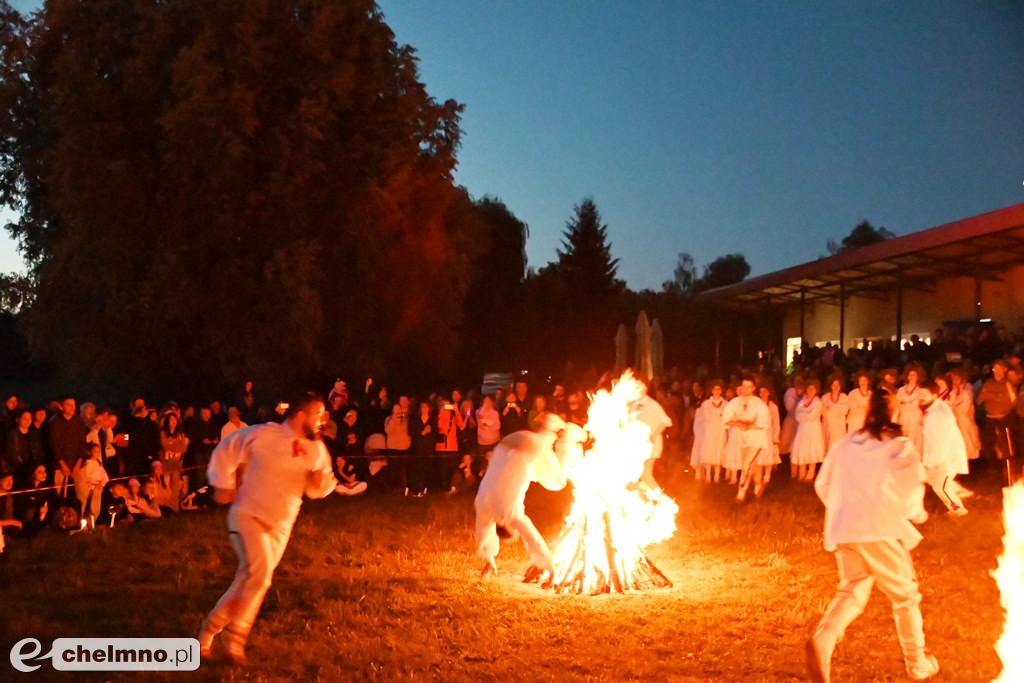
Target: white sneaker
<point x="924" y="668"/>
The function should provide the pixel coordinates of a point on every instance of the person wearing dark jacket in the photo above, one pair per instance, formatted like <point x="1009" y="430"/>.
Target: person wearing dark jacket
<point x="423" y="430"/>
<point x="23" y="448"/>
<point x="143" y="436"/>
<point x="66" y="435"/>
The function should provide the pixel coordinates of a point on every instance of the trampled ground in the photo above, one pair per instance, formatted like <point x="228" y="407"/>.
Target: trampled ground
<point x="385" y="588"/>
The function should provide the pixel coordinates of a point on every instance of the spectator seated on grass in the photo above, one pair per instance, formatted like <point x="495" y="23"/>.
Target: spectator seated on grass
<point x="115" y="506"/>
<point x="8" y="522"/>
<point x="463" y="479"/>
<point x="137" y="504"/>
<point x="33" y="508"/>
<point x="348" y="484"/>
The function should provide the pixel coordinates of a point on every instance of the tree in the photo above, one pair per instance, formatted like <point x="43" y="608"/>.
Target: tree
<point x="494" y="300"/>
<point x="723" y="271"/>
<point x="684" y="277"/>
<point x="213" y="191"/>
<point x="573" y="303"/>
<point x="863" y="235"/>
<point x="585" y="259"/>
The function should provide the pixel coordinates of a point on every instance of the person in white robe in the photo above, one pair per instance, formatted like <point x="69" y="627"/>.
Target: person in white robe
<point x="809" y="443"/>
<point x="858" y="399"/>
<point x="774" y="434"/>
<point x="698" y="445"/>
<point x="282" y="463"/>
<point x="945" y="454"/>
<point x="521" y="458"/>
<point x="748" y="421"/>
<point x="908" y="400"/>
<point x="792" y="396"/>
<point x="872" y="485"/>
<point x="650" y="412"/>
<point x="961" y="400"/>
<point x="712" y="436"/>
<point x="835" y="409"/>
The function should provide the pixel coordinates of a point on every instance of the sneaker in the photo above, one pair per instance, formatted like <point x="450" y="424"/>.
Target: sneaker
<point x="958" y="512"/>
<point x="926" y="667"/>
<point x="819" y="658"/>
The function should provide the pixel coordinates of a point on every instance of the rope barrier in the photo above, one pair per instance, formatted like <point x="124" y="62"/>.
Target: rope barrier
<point x="71" y="484"/>
<point x="380" y="455"/>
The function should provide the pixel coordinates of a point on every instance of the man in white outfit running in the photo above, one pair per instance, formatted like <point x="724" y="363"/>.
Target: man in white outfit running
<point x="872" y="485"/>
<point x="523" y="457"/>
<point x="282" y="462"/>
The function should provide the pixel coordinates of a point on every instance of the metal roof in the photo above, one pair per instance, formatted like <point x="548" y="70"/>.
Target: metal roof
<point x="980" y="246"/>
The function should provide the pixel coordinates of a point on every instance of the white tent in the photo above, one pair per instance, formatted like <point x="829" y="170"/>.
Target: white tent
<point x="643" y="347"/>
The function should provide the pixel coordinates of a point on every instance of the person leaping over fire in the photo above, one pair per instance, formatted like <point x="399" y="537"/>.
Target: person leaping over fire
<point x="523" y="457"/>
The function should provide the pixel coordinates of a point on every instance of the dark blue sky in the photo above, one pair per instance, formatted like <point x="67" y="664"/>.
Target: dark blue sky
<point x="757" y="127"/>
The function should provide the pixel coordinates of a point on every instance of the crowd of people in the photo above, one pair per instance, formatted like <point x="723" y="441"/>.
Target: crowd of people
<point x="65" y="464"/>
<point x="62" y="463"/>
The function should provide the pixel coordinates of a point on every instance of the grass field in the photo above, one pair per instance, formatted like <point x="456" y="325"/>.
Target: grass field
<point x="385" y="588"/>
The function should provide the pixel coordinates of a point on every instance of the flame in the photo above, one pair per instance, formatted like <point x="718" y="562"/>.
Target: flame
<point x="1009" y="576"/>
<point x="613" y="517"/>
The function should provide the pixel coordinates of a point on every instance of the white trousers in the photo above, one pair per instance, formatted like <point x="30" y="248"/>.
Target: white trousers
<point x="488" y="543"/>
<point x="888" y="564"/>
<point x="259" y="550"/>
<point x="945" y="487"/>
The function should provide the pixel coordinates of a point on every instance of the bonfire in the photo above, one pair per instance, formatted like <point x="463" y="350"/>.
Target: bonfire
<point x="613" y="518"/>
<point x="1009" y="576"/>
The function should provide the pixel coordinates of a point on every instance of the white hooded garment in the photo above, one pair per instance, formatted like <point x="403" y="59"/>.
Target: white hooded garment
<point x="872" y="489"/>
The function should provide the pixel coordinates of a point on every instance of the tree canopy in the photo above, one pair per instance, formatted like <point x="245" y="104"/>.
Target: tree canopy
<point x="863" y="234"/>
<point x="236" y="182"/>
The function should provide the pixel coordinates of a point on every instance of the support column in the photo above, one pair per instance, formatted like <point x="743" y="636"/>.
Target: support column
<point x="803" y="294"/>
<point x="842" y="316"/>
<point x="977" y="299"/>
<point x="899" y="313"/>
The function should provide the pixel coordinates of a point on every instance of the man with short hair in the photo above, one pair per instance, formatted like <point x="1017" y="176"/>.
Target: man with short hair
<point x="998" y="397"/>
<point x="283" y="462"/>
<point x="66" y="434"/>
<point x="748" y="421"/>
<point x="233" y="424"/>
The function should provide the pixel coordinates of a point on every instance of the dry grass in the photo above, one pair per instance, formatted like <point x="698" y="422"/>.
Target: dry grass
<point x="385" y="589"/>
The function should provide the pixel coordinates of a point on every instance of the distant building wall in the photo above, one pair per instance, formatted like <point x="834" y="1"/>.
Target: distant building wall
<point x="951" y="298"/>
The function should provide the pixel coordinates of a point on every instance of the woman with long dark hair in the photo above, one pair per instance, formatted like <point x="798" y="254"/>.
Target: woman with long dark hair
<point x="872" y="485"/>
<point x="173" y="444"/>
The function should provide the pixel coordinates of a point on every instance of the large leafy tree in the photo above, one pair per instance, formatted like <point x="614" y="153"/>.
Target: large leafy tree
<point x="724" y="270"/>
<point x="214" y="190"/>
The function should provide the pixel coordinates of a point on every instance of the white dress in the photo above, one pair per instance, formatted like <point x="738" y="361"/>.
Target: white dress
<point x="909" y="415"/>
<point x="789" y="400"/>
<point x="809" y="442"/>
<point x="712" y="438"/>
<point x="834" y="411"/>
<point x="859" y="403"/>
<point x="698" y="436"/>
